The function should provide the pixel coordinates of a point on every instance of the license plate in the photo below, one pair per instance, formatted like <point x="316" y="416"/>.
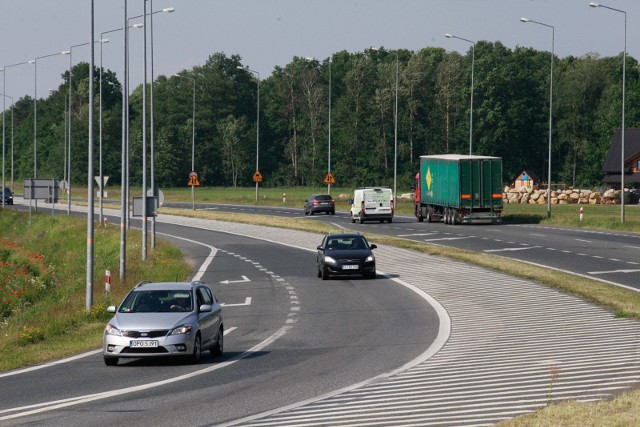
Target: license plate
<point x="144" y="344"/>
<point x="350" y="267"/>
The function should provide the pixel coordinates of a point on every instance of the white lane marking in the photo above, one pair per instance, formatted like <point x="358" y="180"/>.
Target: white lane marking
<point x="612" y="271"/>
<point x="47" y="365"/>
<point x="632" y="247"/>
<point x="417" y="234"/>
<point x="582" y="240"/>
<point x="207" y="261"/>
<point x="537" y="234"/>
<point x="229" y="330"/>
<point x="444" y="332"/>
<point x="247" y="301"/>
<point x="445" y="238"/>
<point x="58" y="404"/>
<point x="510" y="249"/>
<point x="244" y="279"/>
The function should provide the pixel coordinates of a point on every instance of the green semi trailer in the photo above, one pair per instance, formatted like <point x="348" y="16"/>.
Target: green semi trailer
<point x="459" y="189"/>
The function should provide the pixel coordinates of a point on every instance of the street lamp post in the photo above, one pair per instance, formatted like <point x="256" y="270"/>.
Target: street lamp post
<point x="395" y="132"/>
<point x="624" y="67"/>
<point x="257" y="124"/>
<point x="473" y="61"/>
<point x="35" y="109"/>
<point x="553" y="37"/>
<point x="193" y="136"/>
<point x="35" y="119"/>
<point x="152" y="128"/>
<point x="4" y="107"/>
<point x="70" y="133"/>
<point x="3" y="145"/>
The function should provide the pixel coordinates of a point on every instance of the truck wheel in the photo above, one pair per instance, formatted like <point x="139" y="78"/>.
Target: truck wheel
<point x="428" y="218"/>
<point x="454" y="215"/>
<point x="418" y="213"/>
<point x="390" y="220"/>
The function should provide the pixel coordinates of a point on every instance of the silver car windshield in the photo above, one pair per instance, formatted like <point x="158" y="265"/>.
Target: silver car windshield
<point x="157" y="302"/>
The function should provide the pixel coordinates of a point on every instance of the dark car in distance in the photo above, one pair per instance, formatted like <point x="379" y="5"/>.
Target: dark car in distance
<point x="346" y="254"/>
<point x="7" y="195"/>
<point x="320" y="203"/>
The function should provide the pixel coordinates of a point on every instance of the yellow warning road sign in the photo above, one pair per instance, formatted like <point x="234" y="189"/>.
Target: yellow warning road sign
<point x="329" y="179"/>
<point x="257" y="177"/>
<point x="193" y="180"/>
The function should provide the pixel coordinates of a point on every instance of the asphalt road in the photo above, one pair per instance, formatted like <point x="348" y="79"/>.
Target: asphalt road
<point x="609" y="256"/>
<point x="499" y="340"/>
<point x="290" y="336"/>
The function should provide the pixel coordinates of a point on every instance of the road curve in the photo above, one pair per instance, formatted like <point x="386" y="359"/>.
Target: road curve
<point x="514" y="345"/>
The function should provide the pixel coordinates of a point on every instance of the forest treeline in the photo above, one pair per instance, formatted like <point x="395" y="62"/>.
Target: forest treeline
<point x="510" y="118"/>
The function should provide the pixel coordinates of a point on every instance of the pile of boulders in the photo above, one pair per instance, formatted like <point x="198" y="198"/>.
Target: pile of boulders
<point x="562" y="197"/>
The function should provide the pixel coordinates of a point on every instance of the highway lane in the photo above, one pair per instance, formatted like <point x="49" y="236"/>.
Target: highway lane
<point x="610" y="256"/>
<point x="328" y="335"/>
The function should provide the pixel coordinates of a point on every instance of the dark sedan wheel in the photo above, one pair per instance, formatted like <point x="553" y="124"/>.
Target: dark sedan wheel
<point x="325" y="274"/>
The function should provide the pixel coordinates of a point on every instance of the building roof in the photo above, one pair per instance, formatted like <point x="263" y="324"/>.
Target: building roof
<point x="631" y="149"/>
<point x="531" y="174"/>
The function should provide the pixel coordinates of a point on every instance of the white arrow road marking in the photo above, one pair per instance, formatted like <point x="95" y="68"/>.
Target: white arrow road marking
<point x="510" y="249"/>
<point x="244" y="279"/>
<point x="612" y="271"/>
<point x="247" y="301"/>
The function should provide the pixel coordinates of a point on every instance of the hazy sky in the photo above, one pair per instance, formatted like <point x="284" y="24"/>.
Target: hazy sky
<point x="268" y="33"/>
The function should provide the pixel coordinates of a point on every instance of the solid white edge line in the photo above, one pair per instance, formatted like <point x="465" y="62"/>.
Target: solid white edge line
<point x="141" y="387"/>
<point x="47" y="365"/>
<point x="444" y="331"/>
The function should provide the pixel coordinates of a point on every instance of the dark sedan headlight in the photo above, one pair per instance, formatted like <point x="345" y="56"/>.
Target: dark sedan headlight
<point x="182" y="329"/>
<point x="370" y="258"/>
<point x="329" y="260"/>
<point x="112" y="330"/>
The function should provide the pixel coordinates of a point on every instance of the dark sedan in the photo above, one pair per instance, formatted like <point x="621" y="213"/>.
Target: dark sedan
<point x="7" y="195"/>
<point x="346" y="254"/>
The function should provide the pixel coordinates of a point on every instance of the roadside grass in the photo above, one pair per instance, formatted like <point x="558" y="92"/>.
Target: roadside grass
<point x="57" y="324"/>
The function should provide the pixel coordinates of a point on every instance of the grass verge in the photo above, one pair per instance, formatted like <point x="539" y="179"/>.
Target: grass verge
<point x="57" y="324"/>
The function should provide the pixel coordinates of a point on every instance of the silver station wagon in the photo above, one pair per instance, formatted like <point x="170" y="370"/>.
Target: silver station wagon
<point x="165" y="319"/>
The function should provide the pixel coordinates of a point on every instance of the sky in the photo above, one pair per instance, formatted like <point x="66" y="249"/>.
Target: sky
<point x="269" y="33"/>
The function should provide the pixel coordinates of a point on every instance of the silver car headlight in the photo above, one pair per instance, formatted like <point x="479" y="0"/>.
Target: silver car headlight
<point x="329" y="260"/>
<point x="182" y="329"/>
<point x="112" y="330"/>
<point x="370" y="258"/>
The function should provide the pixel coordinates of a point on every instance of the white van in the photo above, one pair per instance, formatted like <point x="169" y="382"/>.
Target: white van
<point x="372" y="204"/>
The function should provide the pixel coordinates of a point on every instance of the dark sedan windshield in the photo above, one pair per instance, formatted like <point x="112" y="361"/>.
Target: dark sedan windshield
<point x="346" y="243"/>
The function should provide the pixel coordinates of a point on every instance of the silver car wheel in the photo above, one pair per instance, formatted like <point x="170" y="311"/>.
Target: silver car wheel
<point x="197" y="350"/>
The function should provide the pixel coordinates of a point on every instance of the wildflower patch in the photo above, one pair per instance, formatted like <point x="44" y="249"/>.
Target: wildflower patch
<point x="24" y="276"/>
